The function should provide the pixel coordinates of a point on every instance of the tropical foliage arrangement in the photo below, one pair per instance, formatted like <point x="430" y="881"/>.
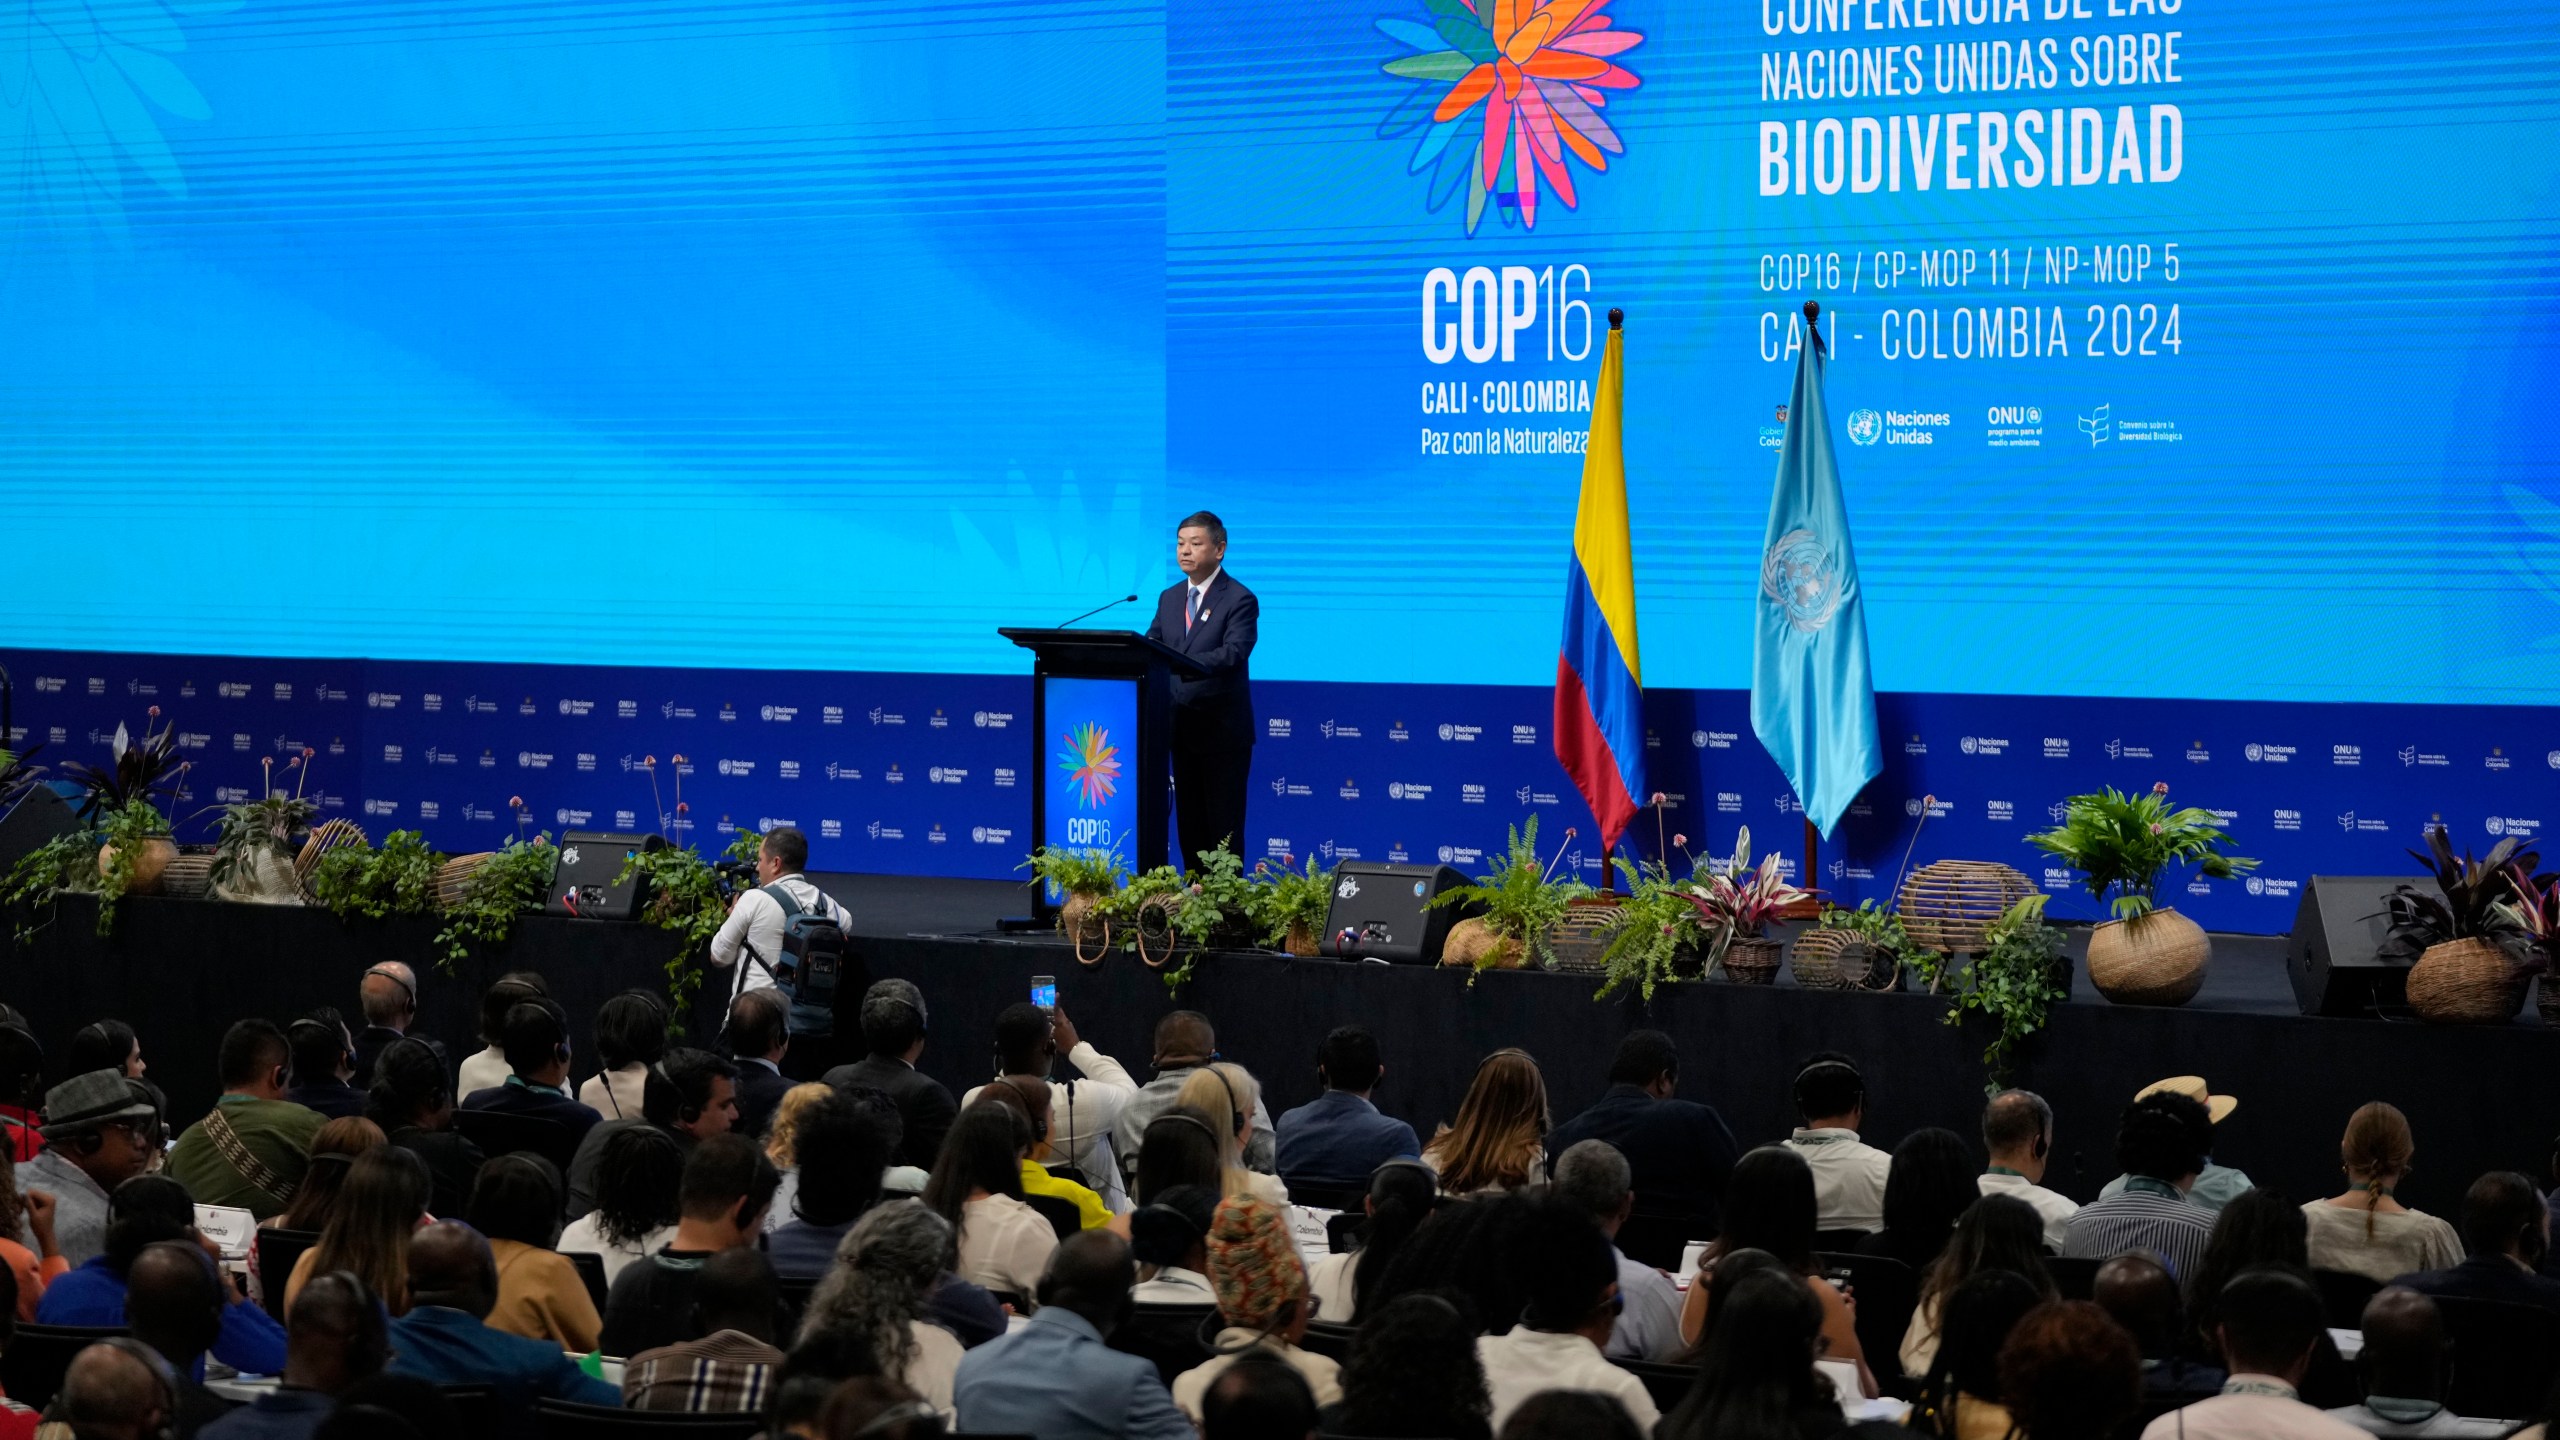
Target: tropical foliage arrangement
<point x="2121" y="845"/>
<point x="2534" y="910"/>
<point x="264" y="826"/>
<point x="1738" y="900"/>
<point x="1077" y="872"/>
<point x="685" y="898"/>
<point x="1285" y="899"/>
<point x="143" y="772"/>
<point x="396" y="878"/>
<point x="1521" y="899"/>
<point x="2013" y="982"/>
<point x="512" y="882"/>
<point x="2473" y="900"/>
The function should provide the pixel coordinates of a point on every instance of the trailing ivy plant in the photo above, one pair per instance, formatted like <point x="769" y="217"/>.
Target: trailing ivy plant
<point x="399" y="878"/>
<point x="2013" y="982"/>
<point x="65" y="863"/>
<point x="686" y="900"/>
<point x="510" y="884"/>
<point x="128" y="830"/>
<point x="1216" y="900"/>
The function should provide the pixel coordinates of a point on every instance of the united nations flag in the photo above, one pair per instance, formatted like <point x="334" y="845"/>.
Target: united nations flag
<point x="1813" y="701"/>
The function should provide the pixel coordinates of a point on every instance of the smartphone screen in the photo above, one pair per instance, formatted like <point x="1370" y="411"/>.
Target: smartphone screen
<point x="1044" y="991"/>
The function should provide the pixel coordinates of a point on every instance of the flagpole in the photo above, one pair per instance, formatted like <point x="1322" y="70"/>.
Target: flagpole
<point x="1809" y="907"/>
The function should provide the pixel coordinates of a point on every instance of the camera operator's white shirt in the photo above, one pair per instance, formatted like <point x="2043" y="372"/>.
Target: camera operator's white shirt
<point x="756" y="921"/>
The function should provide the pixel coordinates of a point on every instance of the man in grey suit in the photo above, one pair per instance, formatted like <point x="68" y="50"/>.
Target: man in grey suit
<point x="1054" y="1377"/>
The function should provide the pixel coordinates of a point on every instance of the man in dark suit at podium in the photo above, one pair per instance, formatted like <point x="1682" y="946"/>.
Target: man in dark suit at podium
<point x="1211" y="618"/>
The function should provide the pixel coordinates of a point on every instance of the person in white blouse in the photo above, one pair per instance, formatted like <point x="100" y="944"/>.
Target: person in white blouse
<point x="1169" y="1239"/>
<point x="976" y="1187"/>
<point x="638" y="1175"/>
<point x="1401" y="1196"/>
<point x="2366" y="1231"/>
<point x="1848" y="1174"/>
<point x="489" y="1069"/>
<point x="1082" y="1109"/>
<point x="630" y="1036"/>
<point x="885" y="1267"/>
<point x="1229" y="1098"/>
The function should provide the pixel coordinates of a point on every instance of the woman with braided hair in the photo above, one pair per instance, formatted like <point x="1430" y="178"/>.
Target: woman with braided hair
<point x="885" y="1267"/>
<point x="2366" y="1231"/>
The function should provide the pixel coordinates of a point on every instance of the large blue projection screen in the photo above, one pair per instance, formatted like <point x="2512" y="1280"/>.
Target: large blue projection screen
<point x="2247" y="396"/>
<point x="806" y="335"/>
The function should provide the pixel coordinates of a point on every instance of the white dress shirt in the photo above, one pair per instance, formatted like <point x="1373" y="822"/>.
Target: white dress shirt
<point x="1082" y="1113"/>
<point x="586" y="1234"/>
<point x="1528" y="1362"/>
<point x="485" y="1071"/>
<point x="1321" y="1372"/>
<point x="2251" y="1407"/>
<point x="1174" y="1285"/>
<point x="1848" y="1178"/>
<point x="756" y="922"/>
<point x="1004" y="1245"/>
<point x="2052" y="1207"/>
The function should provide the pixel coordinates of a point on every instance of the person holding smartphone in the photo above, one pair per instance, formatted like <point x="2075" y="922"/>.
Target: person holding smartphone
<point x="1083" y="1107"/>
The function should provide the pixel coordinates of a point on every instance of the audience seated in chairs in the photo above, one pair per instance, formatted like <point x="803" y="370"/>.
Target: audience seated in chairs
<point x="1401" y="1196"/>
<point x="1756" y="1371"/>
<point x="1341" y="1135"/>
<point x="333" y="1155"/>
<point x="536" y="1041"/>
<point x="1264" y="1303"/>
<point x="880" y="1291"/>
<point x="387" y="997"/>
<point x="250" y="1150"/>
<point x="2367" y="1231"/>
<point x="2505" y="1232"/>
<point x="727" y="1185"/>
<point x="1260" y="1397"/>
<point x="1054" y="1377"/>
<point x="758" y="1036"/>
<point x="1997" y="1232"/>
<point x="2157" y="1143"/>
<point x="730" y="1367"/>
<point x="844" y="1143"/>
<point x="2069" y="1373"/>
<point x="516" y="1208"/>
<point x="893" y="1021"/>
<point x="368" y="1231"/>
<point x="1413" y="1371"/>
<point x="489" y="1066"/>
<point x="148" y="1209"/>
<point x="1169" y="1238"/>
<point x="1570" y="1275"/>
<point x="336" y="1339"/>
<point x="1960" y="1397"/>
<point x="1185" y="1041"/>
<point x="453" y="1284"/>
<point x="101" y="1129"/>
<point x="2137" y="1293"/>
<point x="2270" y="1324"/>
<point x="1030" y="1095"/>
<point x="690" y="1094"/>
<point x="976" y="1185"/>
<point x="174" y="1299"/>
<point x="2215" y="1185"/>
<point x="1498" y="1141"/>
<point x="324" y="1061"/>
<point x="1679" y="1153"/>
<point x="1229" y="1100"/>
<point x="1593" y="1177"/>
<point x="1849" y="1175"/>
<point x="1931" y="1183"/>
<point x="638" y="1175"/>
<point x="630" y="1036"/>
<point x="116" y="1390"/>
<point x="2017" y="1130"/>
<point x="869" y="1408"/>
<point x="1770" y="1206"/>
<point x="1085" y="1112"/>
<point x="2402" y="1367"/>
<point x="413" y="1103"/>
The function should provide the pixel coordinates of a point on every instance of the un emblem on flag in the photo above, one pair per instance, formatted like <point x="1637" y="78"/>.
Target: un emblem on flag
<point x="1799" y="578"/>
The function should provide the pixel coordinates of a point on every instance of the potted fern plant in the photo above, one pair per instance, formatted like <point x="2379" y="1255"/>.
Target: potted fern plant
<point x="1085" y="878"/>
<point x="1290" y="904"/>
<point x="1655" y="934"/>
<point x="2473" y="949"/>
<point x="1737" y="902"/>
<point x="2149" y="954"/>
<point x="1521" y="904"/>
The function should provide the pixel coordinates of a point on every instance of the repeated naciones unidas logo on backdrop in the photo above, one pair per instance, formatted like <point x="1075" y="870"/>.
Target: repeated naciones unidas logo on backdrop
<point x="1508" y="96"/>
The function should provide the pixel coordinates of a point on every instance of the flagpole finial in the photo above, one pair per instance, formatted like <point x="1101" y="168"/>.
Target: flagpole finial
<point x="1812" y="310"/>
<point x="1617" y="318"/>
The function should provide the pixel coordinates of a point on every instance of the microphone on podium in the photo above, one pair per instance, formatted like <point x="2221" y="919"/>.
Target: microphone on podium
<point x="1096" y="610"/>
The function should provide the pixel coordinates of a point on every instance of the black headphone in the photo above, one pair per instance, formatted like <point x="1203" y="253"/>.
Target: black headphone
<point x="1181" y="1117"/>
<point x="686" y="1114"/>
<point x="345" y="1052"/>
<point x="1235" y="1111"/>
<point x="1797" y="1088"/>
<point x="394" y="976"/>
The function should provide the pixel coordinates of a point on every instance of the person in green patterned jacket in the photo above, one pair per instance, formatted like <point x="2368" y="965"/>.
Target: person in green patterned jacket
<point x="251" y="1150"/>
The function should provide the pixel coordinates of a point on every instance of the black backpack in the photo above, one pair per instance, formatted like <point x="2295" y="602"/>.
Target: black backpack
<point x="813" y="949"/>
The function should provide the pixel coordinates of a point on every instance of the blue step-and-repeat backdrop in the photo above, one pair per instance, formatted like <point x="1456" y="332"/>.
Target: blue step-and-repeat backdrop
<point x="931" y="774"/>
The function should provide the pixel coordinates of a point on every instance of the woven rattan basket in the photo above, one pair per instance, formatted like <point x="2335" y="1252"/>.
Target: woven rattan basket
<point x="1754" y="960"/>
<point x="1947" y="904"/>
<point x="2157" y="958"/>
<point x="1580" y="936"/>
<point x="188" y="877"/>
<point x="453" y="878"/>
<point x="1830" y="959"/>
<point x="326" y="837"/>
<point x="2466" y="982"/>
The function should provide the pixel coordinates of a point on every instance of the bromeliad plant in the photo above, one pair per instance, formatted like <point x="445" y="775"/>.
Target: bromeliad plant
<point x="2122" y="843"/>
<point x="1522" y="901"/>
<point x="2472" y="901"/>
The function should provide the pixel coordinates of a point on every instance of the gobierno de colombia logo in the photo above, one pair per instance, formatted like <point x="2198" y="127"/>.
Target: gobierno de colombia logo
<point x="1507" y="94"/>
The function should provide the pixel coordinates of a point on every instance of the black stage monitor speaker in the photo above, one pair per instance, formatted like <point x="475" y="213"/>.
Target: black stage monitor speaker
<point x="1384" y="912"/>
<point x="38" y="816"/>
<point x="584" y="884"/>
<point x="2335" y="959"/>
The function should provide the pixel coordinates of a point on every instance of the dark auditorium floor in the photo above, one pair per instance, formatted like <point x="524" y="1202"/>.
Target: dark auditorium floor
<point x="2247" y="976"/>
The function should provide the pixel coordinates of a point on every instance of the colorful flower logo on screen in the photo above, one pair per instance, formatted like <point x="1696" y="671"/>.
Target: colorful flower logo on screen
<point x="1507" y="95"/>
<point x="1092" y="764"/>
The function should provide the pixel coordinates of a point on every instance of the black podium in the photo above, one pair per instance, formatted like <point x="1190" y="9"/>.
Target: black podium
<point x="1102" y="736"/>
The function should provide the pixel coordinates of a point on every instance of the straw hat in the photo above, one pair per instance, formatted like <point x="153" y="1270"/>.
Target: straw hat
<point x="2194" y="1088"/>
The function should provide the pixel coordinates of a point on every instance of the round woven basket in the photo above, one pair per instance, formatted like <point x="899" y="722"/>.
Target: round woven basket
<point x="1088" y="932"/>
<point x="453" y="878"/>
<point x="1581" y="935"/>
<point x="1301" y="940"/>
<point x="2466" y="982"/>
<point x="1156" y="940"/>
<point x="1472" y="941"/>
<point x="325" y="837"/>
<point x="1754" y="960"/>
<point x="1946" y="904"/>
<point x="188" y="877"/>
<point x="1830" y="959"/>
<point x="2154" y="959"/>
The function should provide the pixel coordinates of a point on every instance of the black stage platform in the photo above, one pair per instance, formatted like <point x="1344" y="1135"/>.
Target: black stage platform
<point x="182" y="970"/>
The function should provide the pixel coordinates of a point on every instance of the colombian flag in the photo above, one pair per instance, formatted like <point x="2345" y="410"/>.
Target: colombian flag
<point x="1599" y="680"/>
